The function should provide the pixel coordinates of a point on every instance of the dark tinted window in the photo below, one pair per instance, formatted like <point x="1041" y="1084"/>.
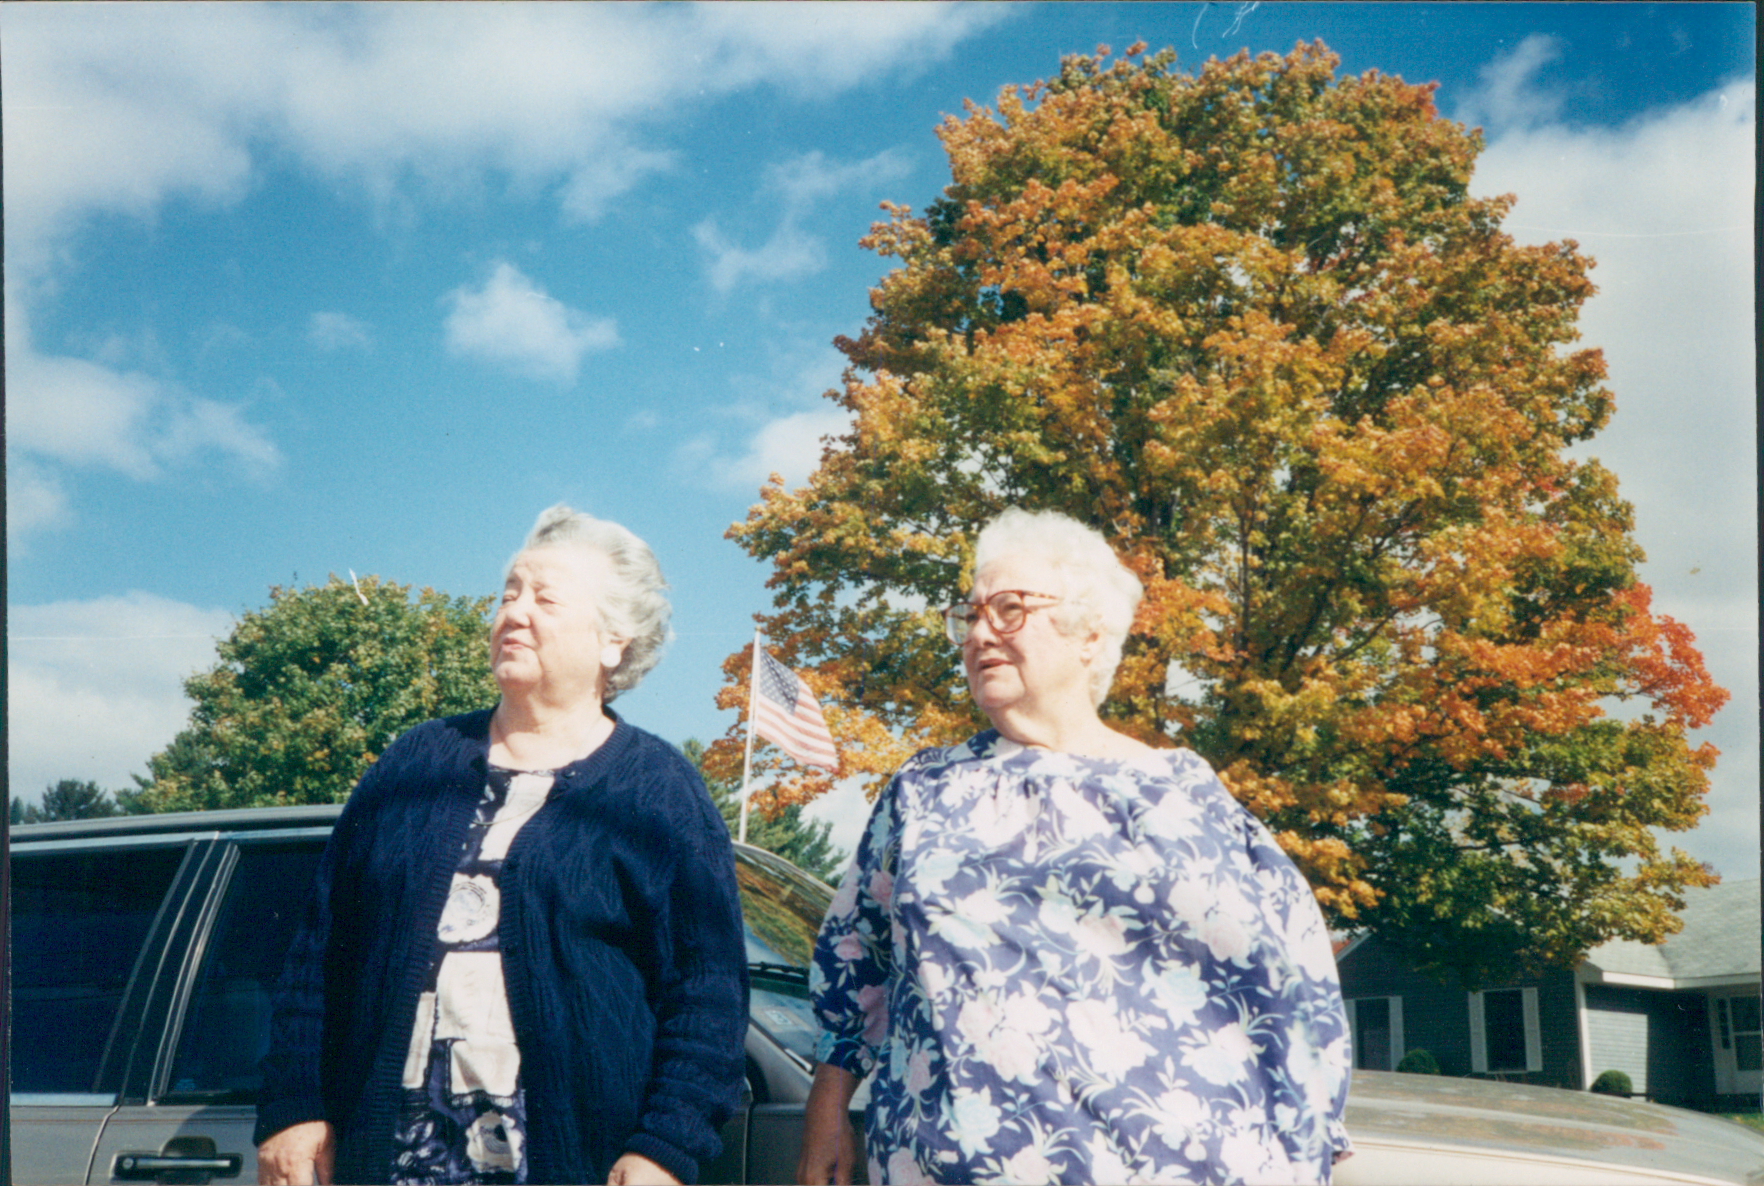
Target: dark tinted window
<point x="78" y="922"/>
<point x="1372" y="1034"/>
<point x="1503" y="1019"/>
<point x="226" y="1028"/>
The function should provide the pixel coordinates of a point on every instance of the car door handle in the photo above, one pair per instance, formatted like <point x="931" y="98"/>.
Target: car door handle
<point x="137" y="1167"/>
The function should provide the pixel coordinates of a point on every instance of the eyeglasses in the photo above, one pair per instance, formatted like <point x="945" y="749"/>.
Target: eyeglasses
<point x="1005" y="610"/>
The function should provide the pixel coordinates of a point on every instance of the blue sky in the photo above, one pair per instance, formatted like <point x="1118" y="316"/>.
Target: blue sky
<point x="297" y="289"/>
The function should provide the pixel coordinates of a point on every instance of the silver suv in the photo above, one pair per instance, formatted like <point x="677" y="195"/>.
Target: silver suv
<point x="144" y="952"/>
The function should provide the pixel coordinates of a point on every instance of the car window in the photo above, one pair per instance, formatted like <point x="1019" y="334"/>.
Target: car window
<point x="783" y="910"/>
<point x="79" y="920"/>
<point x="227" y="1025"/>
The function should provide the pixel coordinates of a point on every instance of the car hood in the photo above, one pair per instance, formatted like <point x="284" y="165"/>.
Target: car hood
<point x="1544" y="1124"/>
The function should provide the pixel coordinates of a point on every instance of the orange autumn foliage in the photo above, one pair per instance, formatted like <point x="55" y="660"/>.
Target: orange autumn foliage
<point x="1251" y="324"/>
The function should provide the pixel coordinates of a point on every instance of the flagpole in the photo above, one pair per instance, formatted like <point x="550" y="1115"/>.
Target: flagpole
<point x="747" y="762"/>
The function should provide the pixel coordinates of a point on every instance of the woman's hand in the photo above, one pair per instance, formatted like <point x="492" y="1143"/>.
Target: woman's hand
<point x="634" y="1169"/>
<point x="299" y="1154"/>
<point x="829" y="1150"/>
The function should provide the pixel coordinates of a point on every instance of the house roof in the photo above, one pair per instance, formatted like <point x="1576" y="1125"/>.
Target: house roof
<point x="1720" y="941"/>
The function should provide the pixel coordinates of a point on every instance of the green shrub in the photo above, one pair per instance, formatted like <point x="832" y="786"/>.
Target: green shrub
<point x="1612" y="1083"/>
<point x="1418" y="1062"/>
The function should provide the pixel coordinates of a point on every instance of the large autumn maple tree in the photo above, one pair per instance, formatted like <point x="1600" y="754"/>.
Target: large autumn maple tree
<point x="1251" y="324"/>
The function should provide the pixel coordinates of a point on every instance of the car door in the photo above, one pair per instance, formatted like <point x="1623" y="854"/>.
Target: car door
<point x="95" y="921"/>
<point x="188" y="1112"/>
<point x="186" y="1108"/>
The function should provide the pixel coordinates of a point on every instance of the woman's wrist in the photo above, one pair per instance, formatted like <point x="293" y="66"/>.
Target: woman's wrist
<point x="833" y="1082"/>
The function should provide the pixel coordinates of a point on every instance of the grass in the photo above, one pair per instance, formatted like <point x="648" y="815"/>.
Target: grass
<point x="1749" y="1119"/>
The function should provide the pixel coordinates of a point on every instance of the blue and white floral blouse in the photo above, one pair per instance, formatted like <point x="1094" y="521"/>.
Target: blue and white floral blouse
<point x="1071" y="969"/>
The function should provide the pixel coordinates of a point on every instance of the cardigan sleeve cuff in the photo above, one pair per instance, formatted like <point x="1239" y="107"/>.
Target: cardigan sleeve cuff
<point x="665" y="1155"/>
<point x="275" y="1115"/>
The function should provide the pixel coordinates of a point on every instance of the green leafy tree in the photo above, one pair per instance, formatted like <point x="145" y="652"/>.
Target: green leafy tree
<point x="70" y="798"/>
<point x="777" y="828"/>
<point x="309" y="692"/>
<point x="1252" y="325"/>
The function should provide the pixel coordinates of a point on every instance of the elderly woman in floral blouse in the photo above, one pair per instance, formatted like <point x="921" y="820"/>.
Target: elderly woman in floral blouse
<point x="1068" y="956"/>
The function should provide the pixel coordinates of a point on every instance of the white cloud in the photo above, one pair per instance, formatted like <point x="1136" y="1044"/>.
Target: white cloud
<point x="798" y="183"/>
<point x="593" y="185"/>
<point x="818" y="48"/>
<point x="780" y="428"/>
<point x="810" y="178"/>
<point x="1665" y="206"/>
<point x="96" y="687"/>
<point x="1508" y="96"/>
<point x="68" y="411"/>
<point x="35" y="500"/>
<point x="512" y="321"/>
<point x="789" y="253"/>
<point x="117" y="107"/>
<point x="338" y="331"/>
<point x="789" y="446"/>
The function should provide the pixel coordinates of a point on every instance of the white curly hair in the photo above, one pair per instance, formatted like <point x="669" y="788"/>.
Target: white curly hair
<point x="1100" y="593"/>
<point x="634" y="608"/>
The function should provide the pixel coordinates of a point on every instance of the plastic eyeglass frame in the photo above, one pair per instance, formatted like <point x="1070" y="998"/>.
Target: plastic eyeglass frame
<point x="954" y="623"/>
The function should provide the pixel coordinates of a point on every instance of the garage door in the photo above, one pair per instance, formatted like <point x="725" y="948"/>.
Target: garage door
<point x="1619" y="1042"/>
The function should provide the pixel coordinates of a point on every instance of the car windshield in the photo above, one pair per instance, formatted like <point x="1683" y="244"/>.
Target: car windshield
<point x="783" y="909"/>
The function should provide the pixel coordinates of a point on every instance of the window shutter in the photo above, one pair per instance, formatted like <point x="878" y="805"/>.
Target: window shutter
<point x="1397" y="1049"/>
<point x="1353" y="1020"/>
<point x="1478" y="1040"/>
<point x="1533" y="1032"/>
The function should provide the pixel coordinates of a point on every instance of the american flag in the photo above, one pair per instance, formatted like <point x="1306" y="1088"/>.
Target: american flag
<point x="786" y="713"/>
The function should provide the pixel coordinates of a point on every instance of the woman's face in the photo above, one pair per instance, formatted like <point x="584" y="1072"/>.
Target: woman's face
<point x="546" y="636"/>
<point x="1035" y="665"/>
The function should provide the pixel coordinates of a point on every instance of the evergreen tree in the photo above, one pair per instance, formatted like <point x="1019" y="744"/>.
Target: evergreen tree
<point x="70" y="798"/>
<point x="779" y="829"/>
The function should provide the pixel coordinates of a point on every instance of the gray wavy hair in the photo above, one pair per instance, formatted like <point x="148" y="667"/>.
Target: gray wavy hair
<point x="634" y="607"/>
<point x="1101" y="592"/>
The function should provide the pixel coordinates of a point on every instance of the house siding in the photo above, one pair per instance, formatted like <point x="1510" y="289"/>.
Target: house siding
<point x="1560" y="1023"/>
<point x="1662" y="1036"/>
<point x="1436" y="1017"/>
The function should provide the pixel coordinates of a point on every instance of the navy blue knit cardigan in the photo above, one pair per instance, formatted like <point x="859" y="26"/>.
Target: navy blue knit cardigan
<point x="622" y="950"/>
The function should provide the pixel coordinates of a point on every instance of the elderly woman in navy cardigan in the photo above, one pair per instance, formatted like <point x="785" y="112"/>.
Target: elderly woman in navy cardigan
<point x="525" y="958"/>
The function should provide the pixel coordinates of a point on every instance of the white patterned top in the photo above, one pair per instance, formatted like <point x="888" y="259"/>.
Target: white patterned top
<point x="1080" y="970"/>
<point x="463" y="1116"/>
